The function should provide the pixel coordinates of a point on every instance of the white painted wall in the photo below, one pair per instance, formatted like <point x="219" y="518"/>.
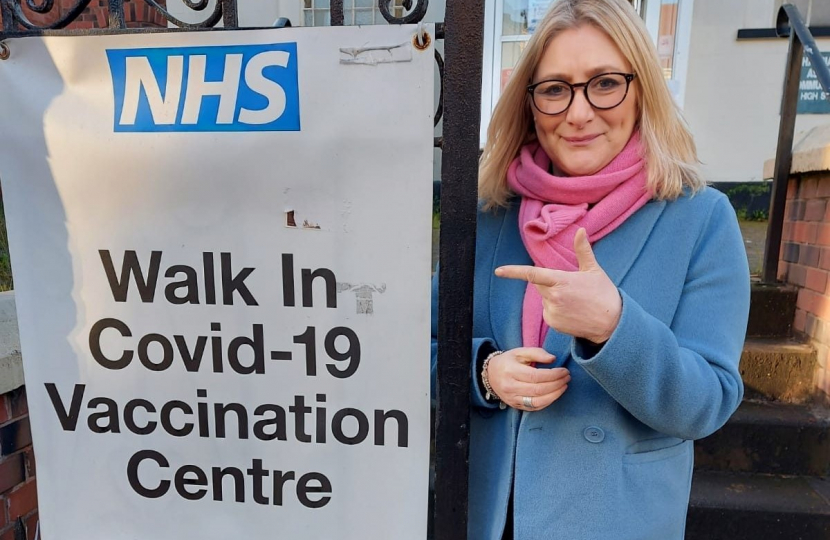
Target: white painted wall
<point x="733" y="89"/>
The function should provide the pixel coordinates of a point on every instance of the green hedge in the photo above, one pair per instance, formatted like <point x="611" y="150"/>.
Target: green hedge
<point x="751" y="201"/>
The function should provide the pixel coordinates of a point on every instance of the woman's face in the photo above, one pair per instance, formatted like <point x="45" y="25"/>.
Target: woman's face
<point x="582" y="140"/>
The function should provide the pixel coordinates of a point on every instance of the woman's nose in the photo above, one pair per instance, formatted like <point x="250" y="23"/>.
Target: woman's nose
<point x="580" y="110"/>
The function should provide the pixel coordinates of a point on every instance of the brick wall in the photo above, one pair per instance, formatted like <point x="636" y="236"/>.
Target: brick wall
<point x="137" y="14"/>
<point x="805" y="263"/>
<point x="18" y="492"/>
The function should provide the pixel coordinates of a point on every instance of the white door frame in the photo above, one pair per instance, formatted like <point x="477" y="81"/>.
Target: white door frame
<point x="685" y="13"/>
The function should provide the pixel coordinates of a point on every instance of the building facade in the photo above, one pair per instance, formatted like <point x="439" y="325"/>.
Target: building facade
<point x="722" y="62"/>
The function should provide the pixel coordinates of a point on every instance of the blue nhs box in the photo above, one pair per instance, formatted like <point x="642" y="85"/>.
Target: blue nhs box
<point x="211" y="88"/>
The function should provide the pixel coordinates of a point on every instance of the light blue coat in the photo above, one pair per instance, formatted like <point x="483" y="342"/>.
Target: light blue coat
<point x="612" y="458"/>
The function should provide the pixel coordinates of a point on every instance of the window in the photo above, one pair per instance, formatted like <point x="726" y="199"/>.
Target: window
<point x="355" y="12"/>
<point x="667" y="36"/>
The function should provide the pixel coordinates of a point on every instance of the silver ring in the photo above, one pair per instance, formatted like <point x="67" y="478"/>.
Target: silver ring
<point x="528" y="402"/>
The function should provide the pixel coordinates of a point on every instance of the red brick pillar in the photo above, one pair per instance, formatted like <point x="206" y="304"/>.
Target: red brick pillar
<point x="18" y="491"/>
<point x="137" y="14"/>
<point x="805" y="263"/>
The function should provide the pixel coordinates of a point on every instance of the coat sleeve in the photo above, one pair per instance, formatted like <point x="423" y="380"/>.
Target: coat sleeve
<point x="480" y="346"/>
<point x="682" y="379"/>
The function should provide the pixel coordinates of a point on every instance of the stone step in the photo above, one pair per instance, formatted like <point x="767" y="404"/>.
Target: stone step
<point x="771" y="438"/>
<point x="778" y="369"/>
<point x="771" y="311"/>
<point x="729" y="506"/>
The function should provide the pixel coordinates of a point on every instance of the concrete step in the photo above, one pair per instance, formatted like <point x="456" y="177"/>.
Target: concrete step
<point x="778" y="369"/>
<point x="771" y="311"/>
<point x="771" y="438"/>
<point x="729" y="506"/>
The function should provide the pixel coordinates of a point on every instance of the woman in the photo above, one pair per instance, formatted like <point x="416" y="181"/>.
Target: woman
<point x="611" y="293"/>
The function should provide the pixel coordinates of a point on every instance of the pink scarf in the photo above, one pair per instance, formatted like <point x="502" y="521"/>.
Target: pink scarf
<point x="553" y="208"/>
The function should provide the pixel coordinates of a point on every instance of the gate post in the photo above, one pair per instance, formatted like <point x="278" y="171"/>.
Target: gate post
<point x="463" y="41"/>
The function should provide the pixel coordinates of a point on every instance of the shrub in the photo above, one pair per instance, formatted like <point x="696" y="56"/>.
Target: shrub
<point x="750" y="201"/>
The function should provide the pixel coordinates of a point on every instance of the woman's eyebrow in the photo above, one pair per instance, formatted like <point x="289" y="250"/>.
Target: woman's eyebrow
<point x="590" y="73"/>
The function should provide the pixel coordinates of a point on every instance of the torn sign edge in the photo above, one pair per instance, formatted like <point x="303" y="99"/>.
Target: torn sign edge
<point x="371" y="56"/>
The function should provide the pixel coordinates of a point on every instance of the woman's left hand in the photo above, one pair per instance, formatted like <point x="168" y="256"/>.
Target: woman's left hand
<point x="585" y="304"/>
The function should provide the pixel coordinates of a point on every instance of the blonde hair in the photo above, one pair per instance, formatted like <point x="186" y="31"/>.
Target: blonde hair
<point x="669" y="149"/>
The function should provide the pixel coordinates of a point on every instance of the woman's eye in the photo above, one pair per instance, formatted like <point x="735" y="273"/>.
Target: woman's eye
<point x="606" y="83"/>
<point x="554" y="90"/>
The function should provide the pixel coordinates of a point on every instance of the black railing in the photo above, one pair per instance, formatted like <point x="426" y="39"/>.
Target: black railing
<point x="462" y="33"/>
<point x="16" y="23"/>
<point x="789" y="23"/>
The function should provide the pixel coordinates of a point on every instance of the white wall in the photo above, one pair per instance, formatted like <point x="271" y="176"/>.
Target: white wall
<point x="733" y="89"/>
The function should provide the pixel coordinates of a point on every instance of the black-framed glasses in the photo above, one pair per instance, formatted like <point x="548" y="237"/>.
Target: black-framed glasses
<point x="604" y="91"/>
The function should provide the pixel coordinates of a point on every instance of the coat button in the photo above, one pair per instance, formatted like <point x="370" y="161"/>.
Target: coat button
<point x="594" y="434"/>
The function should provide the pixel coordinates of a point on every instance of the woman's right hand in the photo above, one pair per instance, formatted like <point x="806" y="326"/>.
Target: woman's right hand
<point x="514" y="378"/>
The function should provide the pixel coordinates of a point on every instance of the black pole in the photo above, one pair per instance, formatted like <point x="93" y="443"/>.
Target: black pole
<point x="783" y="156"/>
<point x="789" y="17"/>
<point x="116" y="14"/>
<point x="464" y="25"/>
<point x="336" y="10"/>
<point x="230" y="16"/>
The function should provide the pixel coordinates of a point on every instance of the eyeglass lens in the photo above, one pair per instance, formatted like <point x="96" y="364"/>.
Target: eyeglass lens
<point x="604" y="92"/>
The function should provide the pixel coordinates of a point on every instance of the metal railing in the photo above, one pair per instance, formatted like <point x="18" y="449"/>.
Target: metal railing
<point x="464" y="28"/>
<point x="789" y="23"/>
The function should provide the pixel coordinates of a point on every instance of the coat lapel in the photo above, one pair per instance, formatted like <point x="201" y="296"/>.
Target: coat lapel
<point x="615" y="253"/>
<point x="506" y="295"/>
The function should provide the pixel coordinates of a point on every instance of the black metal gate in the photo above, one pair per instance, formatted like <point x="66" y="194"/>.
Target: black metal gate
<point x="459" y="106"/>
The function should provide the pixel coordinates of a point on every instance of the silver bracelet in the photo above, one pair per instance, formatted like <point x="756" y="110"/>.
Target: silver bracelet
<point x="489" y="393"/>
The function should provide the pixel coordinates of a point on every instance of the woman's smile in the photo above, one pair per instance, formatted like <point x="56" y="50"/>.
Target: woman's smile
<point x="584" y="140"/>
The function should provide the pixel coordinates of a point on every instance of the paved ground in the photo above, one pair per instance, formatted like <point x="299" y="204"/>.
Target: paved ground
<point x="755" y="234"/>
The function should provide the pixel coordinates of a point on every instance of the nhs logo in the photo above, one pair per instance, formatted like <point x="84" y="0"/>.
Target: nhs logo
<point x="224" y="88"/>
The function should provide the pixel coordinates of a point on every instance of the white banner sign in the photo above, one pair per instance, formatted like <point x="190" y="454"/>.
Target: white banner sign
<point x="221" y="251"/>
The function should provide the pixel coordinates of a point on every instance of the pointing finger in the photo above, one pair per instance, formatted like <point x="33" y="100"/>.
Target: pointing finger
<point x="531" y="274"/>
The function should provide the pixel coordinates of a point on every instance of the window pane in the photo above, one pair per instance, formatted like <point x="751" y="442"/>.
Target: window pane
<point x="308" y="19"/>
<point x="536" y="11"/>
<point x="510" y="53"/>
<point x="514" y="18"/>
<point x="322" y="18"/>
<point x="364" y="16"/>
<point x="365" y="3"/>
<point x="307" y="4"/>
<point x="667" y="36"/>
